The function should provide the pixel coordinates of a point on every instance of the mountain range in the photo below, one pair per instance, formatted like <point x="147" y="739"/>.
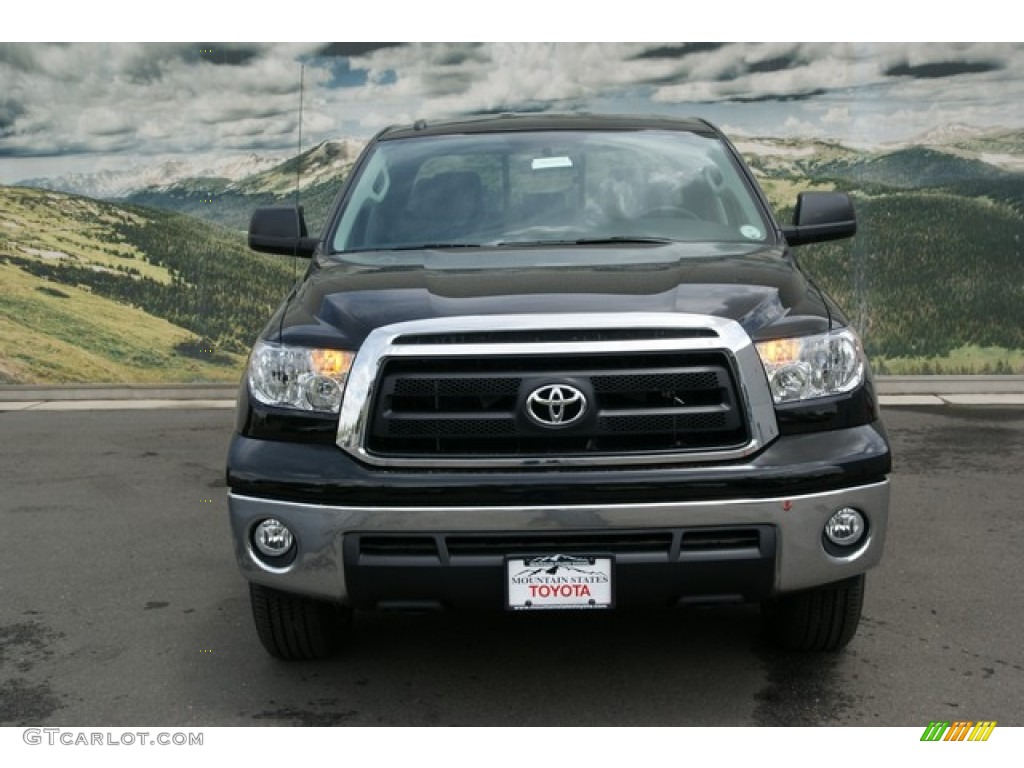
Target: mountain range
<point x="934" y="279"/>
<point x="225" y="192"/>
<point x="112" y="185"/>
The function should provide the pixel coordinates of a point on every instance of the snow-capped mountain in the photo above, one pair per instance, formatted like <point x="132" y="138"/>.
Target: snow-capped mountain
<point x="327" y="162"/>
<point x="952" y="133"/>
<point x="124" y="182"/>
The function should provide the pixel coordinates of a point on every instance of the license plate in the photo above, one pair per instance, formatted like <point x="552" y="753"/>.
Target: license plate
<point x="563" y="582"/>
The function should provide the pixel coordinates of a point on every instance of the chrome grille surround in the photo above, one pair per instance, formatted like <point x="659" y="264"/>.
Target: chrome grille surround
<point x="639" y="332"/>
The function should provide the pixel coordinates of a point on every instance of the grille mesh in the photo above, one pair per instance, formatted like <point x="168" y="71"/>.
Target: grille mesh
<point x="441" y="406"/>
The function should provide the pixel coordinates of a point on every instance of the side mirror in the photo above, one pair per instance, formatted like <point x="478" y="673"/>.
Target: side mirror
<point x="821" y="216"/>
<point x="281" y="230"/>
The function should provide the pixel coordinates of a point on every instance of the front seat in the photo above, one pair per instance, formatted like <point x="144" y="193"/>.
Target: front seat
<point x="446" y="207"/>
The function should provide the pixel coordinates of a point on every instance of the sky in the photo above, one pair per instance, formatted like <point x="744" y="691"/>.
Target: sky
<point x="90" y="107"/>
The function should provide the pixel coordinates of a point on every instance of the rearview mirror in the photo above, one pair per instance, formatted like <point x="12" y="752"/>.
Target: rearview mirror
<point x="821" y="216"/>
<point x="281" y="230"/>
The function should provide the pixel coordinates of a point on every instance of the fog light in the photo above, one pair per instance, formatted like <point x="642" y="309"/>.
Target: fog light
<point x="272" y="538"/>
<point x="845" y="528"/>
<point x="323" y="394"/>
<point x="789" y="382"/>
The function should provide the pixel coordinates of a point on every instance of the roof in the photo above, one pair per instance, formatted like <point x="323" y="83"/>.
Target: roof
<point x="580" y="121"/>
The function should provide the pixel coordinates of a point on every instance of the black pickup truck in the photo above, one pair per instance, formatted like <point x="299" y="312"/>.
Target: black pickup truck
<point x="555" y="362"/>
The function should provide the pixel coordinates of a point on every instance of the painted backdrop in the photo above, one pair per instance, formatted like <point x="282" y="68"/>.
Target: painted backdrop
<point x="128" y="174"/>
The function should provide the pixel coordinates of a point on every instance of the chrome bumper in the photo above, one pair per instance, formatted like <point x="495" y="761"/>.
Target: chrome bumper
<point x="318" y="568"/>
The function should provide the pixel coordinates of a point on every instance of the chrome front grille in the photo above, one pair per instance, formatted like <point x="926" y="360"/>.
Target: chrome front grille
<point x="474" y="407"/>
<point x="453" y="392"/>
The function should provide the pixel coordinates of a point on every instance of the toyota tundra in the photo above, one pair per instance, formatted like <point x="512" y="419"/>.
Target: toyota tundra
<point x="555" y="362"/>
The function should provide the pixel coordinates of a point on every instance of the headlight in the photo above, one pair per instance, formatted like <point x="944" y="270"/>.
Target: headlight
<point x="813" y="366"/>
<point x="298" y="377"/>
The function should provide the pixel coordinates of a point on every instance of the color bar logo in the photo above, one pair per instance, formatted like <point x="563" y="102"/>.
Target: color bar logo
<point x="960" y="730"/>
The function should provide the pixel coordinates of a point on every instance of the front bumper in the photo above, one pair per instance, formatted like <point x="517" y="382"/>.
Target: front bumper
<point x="791" y="555"/>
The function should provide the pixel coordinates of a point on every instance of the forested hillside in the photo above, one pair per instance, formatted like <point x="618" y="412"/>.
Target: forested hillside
<point x="934" y="279"/>
<point x="99" y="292"/>
<point x="929" y="272"/>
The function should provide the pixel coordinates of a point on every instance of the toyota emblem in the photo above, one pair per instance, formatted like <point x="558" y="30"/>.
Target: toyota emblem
<point x="556" y="405"/>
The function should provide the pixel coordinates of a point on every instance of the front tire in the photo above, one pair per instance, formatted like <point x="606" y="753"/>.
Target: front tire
<point x="296" y="628"/>
<point x="820" y="619"/>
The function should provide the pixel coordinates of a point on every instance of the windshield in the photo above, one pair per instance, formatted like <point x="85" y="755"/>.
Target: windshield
<point x="515" y="189"/>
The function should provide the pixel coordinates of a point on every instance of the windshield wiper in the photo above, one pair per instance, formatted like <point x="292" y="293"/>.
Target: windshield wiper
<point x="606" y="240"/>
<point x="623" y="239"/>
<point x="429" y="246"/>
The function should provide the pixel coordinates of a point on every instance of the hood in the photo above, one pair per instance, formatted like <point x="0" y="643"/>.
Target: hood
<point x="341" y="301"/>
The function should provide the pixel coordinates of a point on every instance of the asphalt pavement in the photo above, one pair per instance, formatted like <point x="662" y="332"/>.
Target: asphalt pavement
<point x="120" y="604"/>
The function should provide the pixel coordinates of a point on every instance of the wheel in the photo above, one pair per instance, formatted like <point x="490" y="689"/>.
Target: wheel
<point x="298" y="628"/>
<point x="820" y="619"/>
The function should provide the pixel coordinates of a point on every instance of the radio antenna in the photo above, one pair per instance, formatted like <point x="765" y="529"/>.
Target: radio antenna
<point x="298" y="175"/>
<point x="298" y="159"/>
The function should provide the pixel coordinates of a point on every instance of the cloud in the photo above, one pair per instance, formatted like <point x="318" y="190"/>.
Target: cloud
<point x="227" y="54"/>
<point x="779" y="97"/>
<point x="774" y="64"/>
<point x="346" y="50"/>
<point x="836" y="116"/>
<point x="494" y="76"/>
<point x="104" y="122"/>
<point x="18" y="57"/>
<point x="677" y="51"/>
<point x="157" y="100"/>
<point x="521" y="107"/>
<point x="942" y="69"/>
<point x="797" y="127"/>
<point x="10" y="111"/>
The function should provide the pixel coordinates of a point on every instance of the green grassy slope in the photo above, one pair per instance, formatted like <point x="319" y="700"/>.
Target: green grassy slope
<point x="95" y="292"/>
